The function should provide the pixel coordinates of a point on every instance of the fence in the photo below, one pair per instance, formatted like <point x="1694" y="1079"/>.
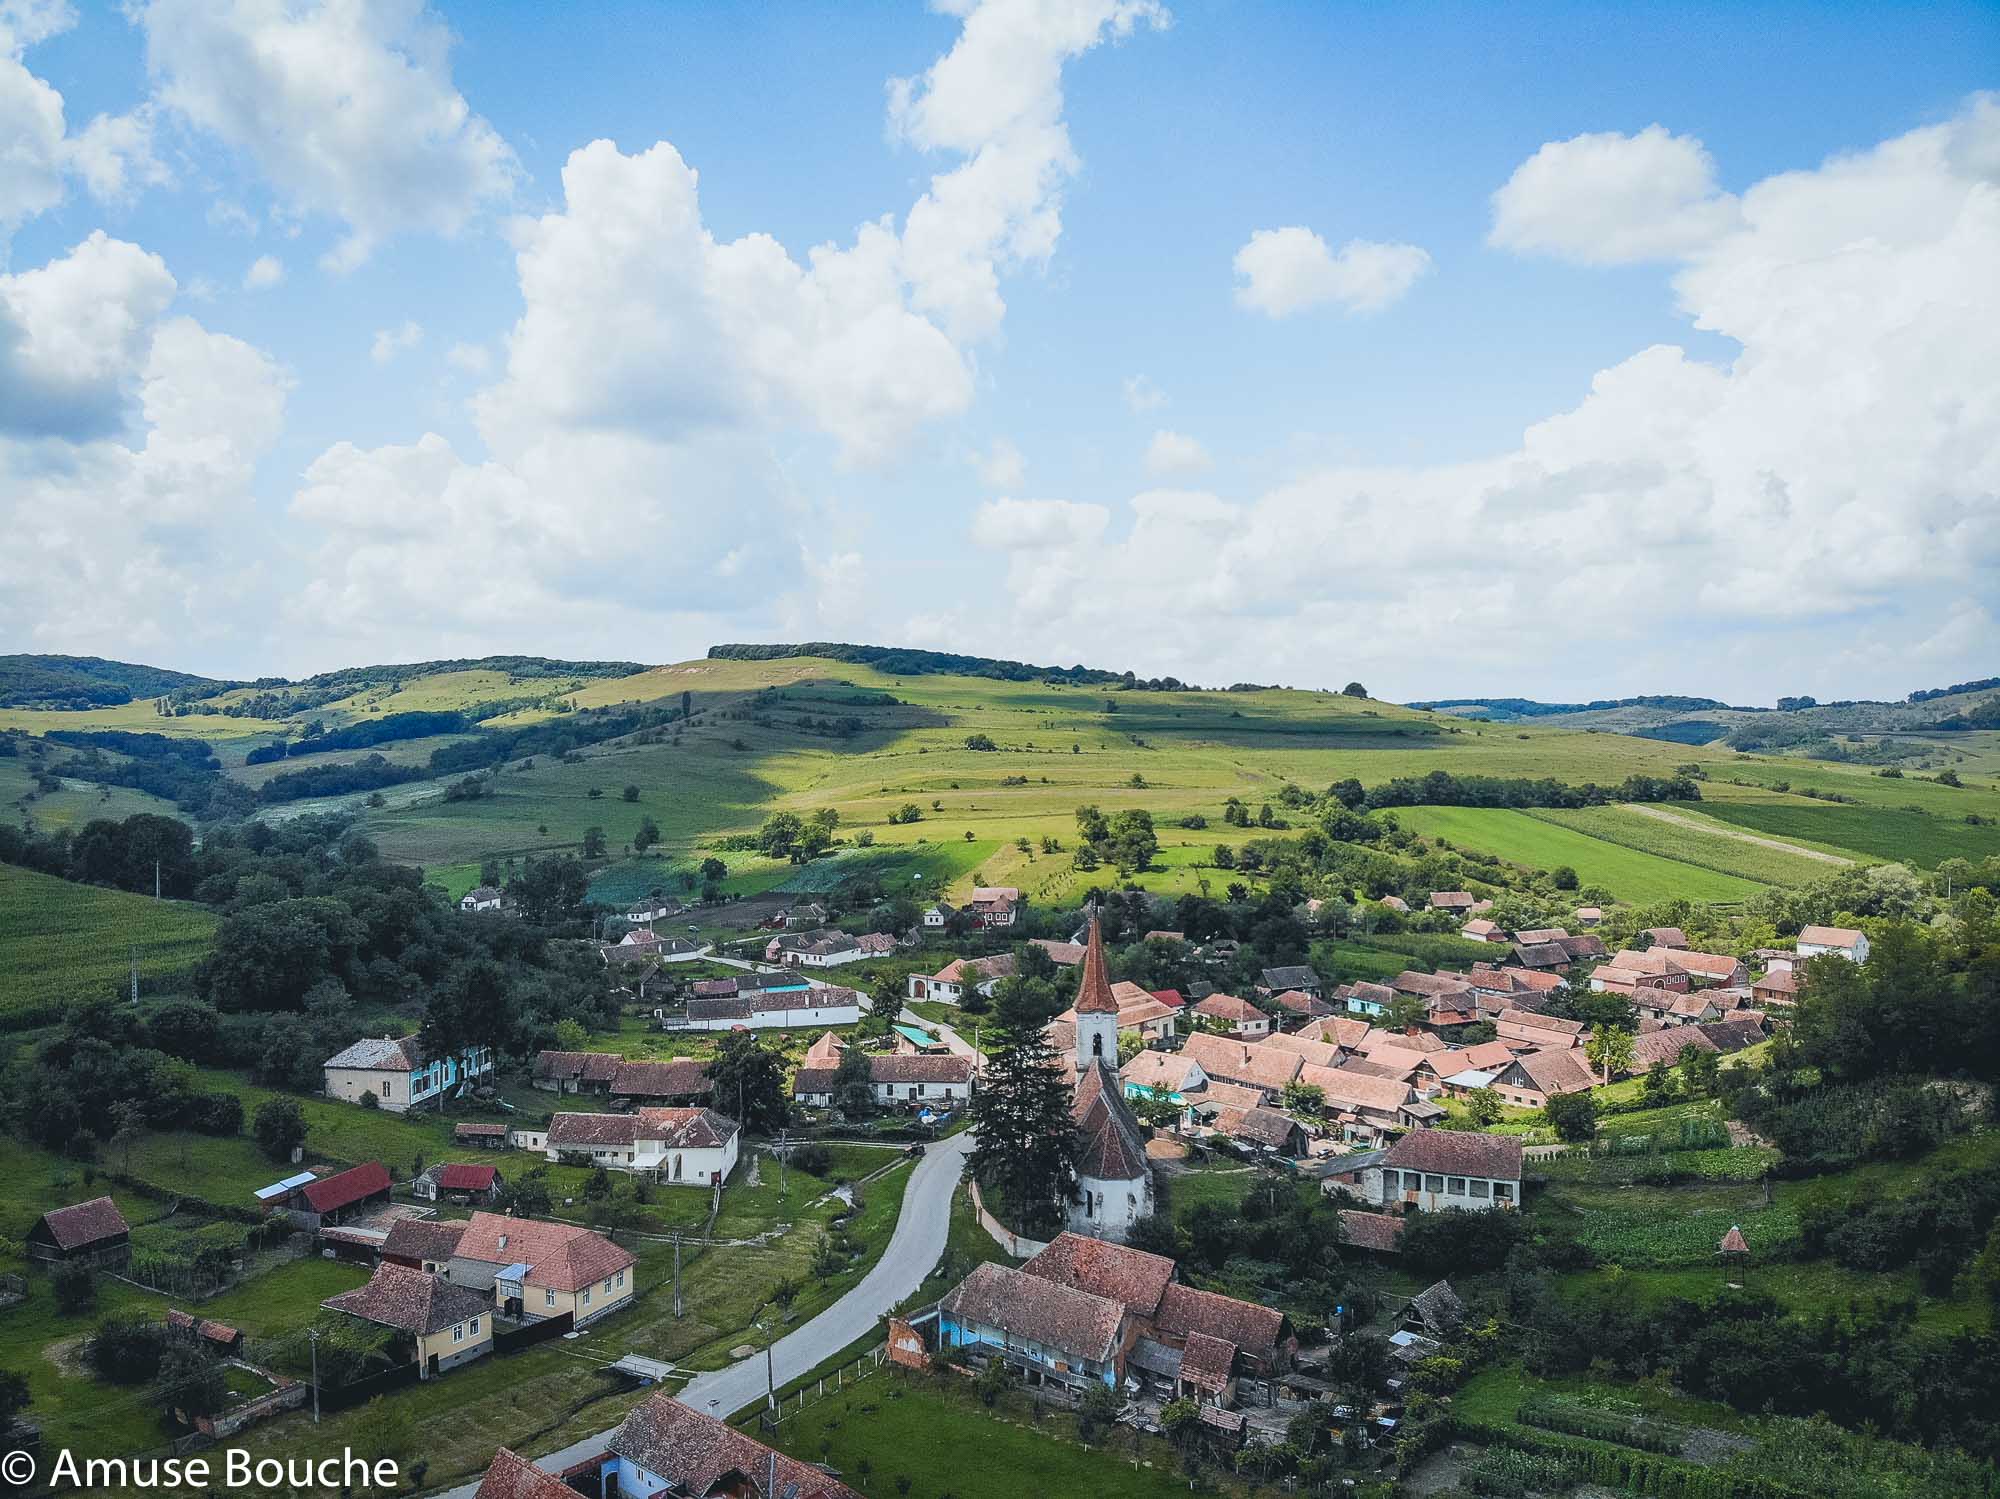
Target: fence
<point x="516" y="1338"/>
<point x="822" y="1385"/>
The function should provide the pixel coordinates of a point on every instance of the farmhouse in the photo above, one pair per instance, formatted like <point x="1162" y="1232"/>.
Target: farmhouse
<point x="1666" y="936"/>
<point x="1545" y="956"/>
<point x="1533" y="1078"/>
<point x="400" y="1075"/>
<point x="1243" y="1019"/>
<point x="692" y="1147"/>
<point x="949" y="983"/>
<point x="1318" y="1053"/>
<point x="938" y="915"/>
<point x="482" y="898"/>
<point x="539" y="1270"/>
<point x="1843" y="941"/>
<point x="425" y="1244"/>
<point x="1296" y="1006"/>
<point x="575" y="1071"/>
<point x="1430" y="1170"/>
<point x="1479" y="929"/>
<point x="666" y="1448"/>
<point x="804" y="915"/>
<point x="1234" y="1061"/>
<point x="1263" y="1129"/>
<point x="1083" y="1310"/>
<point x="909" y="1078"/>
<point x="995" y="905"/>
<point x="1364" y="1108"/>
<point x="447" y="1324"/>
<point x="84" y="1233"/>
<point x="1451" y="900"/>
<point x="1162" y="1074"/>
<point x="1778" y="988"/>
<point x="454" y="1182"/>
<point x="773" y="1009"/>
<point x="1365" y="998"/>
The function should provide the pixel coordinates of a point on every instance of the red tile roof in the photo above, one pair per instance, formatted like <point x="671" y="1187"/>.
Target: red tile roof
<point x="397" y="1296"/>
<point x="422" y="1239"/>
<point x="464" y="1178"/>
<point x="1079" y="1323"/>
<point x="511" y="1476"/>
<point x="562" y="1257"/>
<point x="1207" y="1363"/>
<point x="1381" y="1232"/>
<point x="331" y="1193"/>
<point x="697" y="1454"/>
<point x="1457" y="1153"/>
<point x="683" y="1077"/>
<point x="1257" y="1330"/>
<point x="1229" y="1007"/>
<point x="1131" y="1276"/>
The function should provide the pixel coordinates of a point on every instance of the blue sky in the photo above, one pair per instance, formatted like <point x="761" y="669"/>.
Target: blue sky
<point x="1112" y="401"/>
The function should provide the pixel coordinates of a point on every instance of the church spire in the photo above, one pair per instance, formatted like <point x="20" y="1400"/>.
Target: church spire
<point x="1093" y="995"/>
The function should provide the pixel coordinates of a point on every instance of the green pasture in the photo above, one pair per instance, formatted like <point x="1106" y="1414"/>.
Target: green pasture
<point x="1631" y="874"/>
<point x="1921" y="838"/>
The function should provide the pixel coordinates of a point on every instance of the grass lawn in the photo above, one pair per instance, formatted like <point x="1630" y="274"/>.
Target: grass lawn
<point x="285" y="1299"/>
<point x="53" y="946"/>
<point x="1922" y="838"/>
<point x="1631" y="874"/>
<point x="892" y="1424"/>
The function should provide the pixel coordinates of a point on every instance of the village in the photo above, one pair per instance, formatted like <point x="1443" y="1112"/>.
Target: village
<point x="1388" y="1101"/>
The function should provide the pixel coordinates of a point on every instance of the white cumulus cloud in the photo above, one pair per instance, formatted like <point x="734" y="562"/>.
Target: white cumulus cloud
<point x="390" y="342"/>
<point x="346" y="106"/>
<point x="1611" y="199"/>
<point x="1841" y="474"/>
<point x="265" y="271"/>
<point x="1283" y="271"/>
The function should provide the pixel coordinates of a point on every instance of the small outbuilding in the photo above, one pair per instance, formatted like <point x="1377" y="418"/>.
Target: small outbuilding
<point x="86" y="1233"/>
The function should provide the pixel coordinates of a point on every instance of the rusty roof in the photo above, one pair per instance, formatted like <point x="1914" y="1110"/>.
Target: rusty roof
<point x="423" y="1239"/>
<point x="697" y="1454"/>
<point x="1132" y="1277"/>
<point x="1079" y="1323"/>
<point x="82" y="1224"/>
<point x="397" y="1296"/>
<point x="511" y="1476"/>
<point x="1457" y="1153"/>
<point x="1208" y="1362"/>
<point x="1381" y="1232"/>
<point x="1257" y="1330"/>
<point x="683" y="1077"/>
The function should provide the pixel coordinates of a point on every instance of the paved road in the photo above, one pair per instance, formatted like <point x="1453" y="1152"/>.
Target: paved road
<point x="913" y="1252"/>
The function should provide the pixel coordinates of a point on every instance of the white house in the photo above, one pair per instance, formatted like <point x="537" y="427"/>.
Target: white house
<point x="938" y="916"/>
<point x="481" y="898"/>
<point x="1844" y="940"/>
<point x="774" y="1009"/>
<point x="907" y="1080"/>
<point x="399" y="1073"/>
<point x="693" y="1147"/>
<point x="949" y="983"/>
<point x="1433" y="1169"/>
<point x="995" y="905"/>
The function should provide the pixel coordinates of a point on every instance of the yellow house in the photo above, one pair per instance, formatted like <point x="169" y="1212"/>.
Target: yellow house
<point x="538" y="1270"/>
<point x="448" y="1325"/>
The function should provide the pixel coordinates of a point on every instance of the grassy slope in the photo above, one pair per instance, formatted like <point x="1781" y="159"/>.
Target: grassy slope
<point x="59" y="940"/>
<point x="76" y="804"/>
<point x="1886" y="833"/>
<point x="1631" y="874"/>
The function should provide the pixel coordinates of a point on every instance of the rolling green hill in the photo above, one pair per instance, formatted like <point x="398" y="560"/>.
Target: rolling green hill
<point x="60" y="940"/>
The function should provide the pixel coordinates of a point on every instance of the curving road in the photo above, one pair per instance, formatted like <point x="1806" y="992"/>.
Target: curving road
<point x="914" y="1250"/>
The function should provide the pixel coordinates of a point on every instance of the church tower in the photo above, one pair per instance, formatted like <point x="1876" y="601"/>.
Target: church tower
<point x="1096" y="1008"/>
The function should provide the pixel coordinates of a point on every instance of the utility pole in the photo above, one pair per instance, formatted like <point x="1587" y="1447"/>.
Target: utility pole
<point x="312" y="1336"/>
<point x="135" y="975"/>
<point x="783" y="1188"/>
<point x="770" y="1384"/>
<point x="156" y="879"/>
<point x="677" y="1275"/>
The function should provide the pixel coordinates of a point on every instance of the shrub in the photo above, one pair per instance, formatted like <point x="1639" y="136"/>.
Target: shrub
<point x="126" y="1350"/>
<point x="75" y="1288"/>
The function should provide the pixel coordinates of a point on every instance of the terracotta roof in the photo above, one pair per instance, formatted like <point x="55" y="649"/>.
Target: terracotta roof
<point x="1079" y="1323"/>
<point x="1393" y="1061"/>
<point x="684" y="1077"/>
<point x="465" y="1178"/>
<point x="1662" y="1048"/>
<point x="1536" y="936"/>
<point x="826" y="1049"/>
<point x="1232" y="1095"/>
<point x="511" y="1476"/>
<point x="1297" y="1002"/>
<point x="1830" y="936"/>
<point x="1346" y="1088"/>
<point x="1130" y="1276"/>
<point x="697" y="1454"/>
<point x="1158" y="1069"/>
<point x="1319" y="1053"/>
<point x="1733" y="1242"/>
<point x="1422" y="1041"/>
<point x="331" y="1193"/>
<point x="1450" y="900"/>
<point x="85" y="1223"/>
<point x="380" y="1054"/>
<point x="1093" y="991"/>
<point x="1779" y="981"/>
<point x="479" y="1131"/>
<point x="1560" y="1071"/>
<point x="1257" y="1330"/>
<point x="423" y="1239"/>
<point x="397" y="1296"/>
<point x="1229" y="1007"/>
<point x="1487" y="1054"/>
<point x="1457" y="1153"/>
<point x="1544" y="1023"/>
<point x="1245" y="1062"/>
<point x="1381" y="1232"/>
<point x="676" y="1129"/>
<point x="219" y="1333"/>
<point x="1062" y="954"/>
<point x="560" y="1256"/>
<point x="1409" y="981"/>
<point x="921" y="1067"/>
<point x="1207" y="1363"/>
<point x="1711" y="965"/>
<point x="1667" y="936"/>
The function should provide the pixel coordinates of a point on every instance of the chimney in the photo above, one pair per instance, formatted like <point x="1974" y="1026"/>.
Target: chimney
<point x="503" y="1241"/>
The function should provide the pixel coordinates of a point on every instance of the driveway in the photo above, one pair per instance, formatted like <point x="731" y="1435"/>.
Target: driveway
<point x="953" y="1041"/>
<point x="913" y="1252"/>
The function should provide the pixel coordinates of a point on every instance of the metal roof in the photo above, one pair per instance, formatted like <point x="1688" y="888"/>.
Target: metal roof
<point x="514" y="1271"/>
<point x="289" y="1184"/>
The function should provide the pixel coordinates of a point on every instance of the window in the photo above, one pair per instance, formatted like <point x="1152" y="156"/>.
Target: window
<point x="621" y="1277"/>
<point x="458" y="1332"/>
<point x="388" y="1087"/>
<point x="548" y="1298"/>
<point x="607" y="1285"/>
<point x="1479" y="1188"/>
<point x="1503" y="1191"/>
<point x="1433" y="1184"/>
<point x="586" y="1295"/>
<point x="475" y="1327"/>
<point x="1456" y="1186"/>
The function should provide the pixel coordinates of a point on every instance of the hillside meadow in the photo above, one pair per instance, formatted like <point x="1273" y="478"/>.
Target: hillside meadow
<point x="59" y="940"/>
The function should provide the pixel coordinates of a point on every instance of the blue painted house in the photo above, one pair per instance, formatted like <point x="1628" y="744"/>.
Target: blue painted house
<point x="1051" y="1331"/>
<point x="396" y="1070"/>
